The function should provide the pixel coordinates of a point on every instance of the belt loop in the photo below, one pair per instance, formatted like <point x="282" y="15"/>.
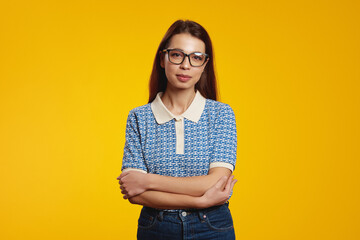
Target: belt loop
<point x="202" y="216"/>
<point x="160" y="215"/>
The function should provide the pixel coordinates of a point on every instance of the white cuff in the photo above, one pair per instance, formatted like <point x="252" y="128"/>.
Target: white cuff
<point x="133" y="169"/>
<point x="222" y="164"/>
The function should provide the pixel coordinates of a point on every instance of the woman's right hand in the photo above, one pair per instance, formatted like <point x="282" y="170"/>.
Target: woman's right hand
<point x="218" y="194"/>
<point x="132" y="183"/>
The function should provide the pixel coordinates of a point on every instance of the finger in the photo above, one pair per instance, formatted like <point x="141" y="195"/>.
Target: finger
<point x="124" y="174"/>
<point x="228" y="191"/>
<point x="232" y="184"/>
<point x="228" y="183"/>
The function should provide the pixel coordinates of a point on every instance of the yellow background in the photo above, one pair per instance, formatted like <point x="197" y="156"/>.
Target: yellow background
<point x="70" y="71"/>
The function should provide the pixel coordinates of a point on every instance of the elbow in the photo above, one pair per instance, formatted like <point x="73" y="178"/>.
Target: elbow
<point x="132" y="200"/>
<point x="135" y="200"/>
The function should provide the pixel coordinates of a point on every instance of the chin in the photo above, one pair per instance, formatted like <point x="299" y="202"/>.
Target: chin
<point x="184" y="86"/>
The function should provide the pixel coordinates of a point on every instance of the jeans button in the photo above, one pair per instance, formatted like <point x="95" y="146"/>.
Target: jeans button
<point x="183" y="214"/>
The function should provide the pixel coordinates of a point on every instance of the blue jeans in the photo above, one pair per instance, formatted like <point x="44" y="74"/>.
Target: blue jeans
<point x="210" y="223"/>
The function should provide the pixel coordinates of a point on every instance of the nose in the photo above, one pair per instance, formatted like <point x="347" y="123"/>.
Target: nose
<point x="186" y="63"/>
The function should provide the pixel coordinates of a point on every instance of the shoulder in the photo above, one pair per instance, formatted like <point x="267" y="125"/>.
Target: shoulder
<point x="140" y="113"/>
<point x="140" y="110"/>
<point x="218" y="108"/>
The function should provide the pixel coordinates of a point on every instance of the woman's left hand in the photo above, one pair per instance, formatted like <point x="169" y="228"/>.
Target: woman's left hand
<point x="219" y="194"/>
<point x="132" y="183"/>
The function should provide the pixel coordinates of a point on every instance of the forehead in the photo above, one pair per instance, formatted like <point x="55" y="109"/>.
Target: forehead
<point x="187" y="43"/>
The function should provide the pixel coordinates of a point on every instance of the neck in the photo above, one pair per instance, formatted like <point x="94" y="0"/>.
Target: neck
<point x="178" y="101"/>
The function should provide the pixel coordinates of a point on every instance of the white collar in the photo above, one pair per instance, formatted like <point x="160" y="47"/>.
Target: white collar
<point x="193" y="113"/>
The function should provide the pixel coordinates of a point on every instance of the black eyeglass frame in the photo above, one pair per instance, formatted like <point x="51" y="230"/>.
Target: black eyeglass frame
<point x="186" y="55"/>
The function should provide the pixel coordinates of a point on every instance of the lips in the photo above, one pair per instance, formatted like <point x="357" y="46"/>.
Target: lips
<point x="183" y="77"/>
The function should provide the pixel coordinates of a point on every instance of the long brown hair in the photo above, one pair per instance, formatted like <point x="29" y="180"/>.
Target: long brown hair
<point x="207" y="83"/>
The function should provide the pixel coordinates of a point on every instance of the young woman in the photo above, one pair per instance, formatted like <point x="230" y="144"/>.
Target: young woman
<point x="180" y="148"/>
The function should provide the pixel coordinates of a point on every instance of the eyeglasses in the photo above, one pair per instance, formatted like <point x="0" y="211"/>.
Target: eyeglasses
<point x="177" y="56"/>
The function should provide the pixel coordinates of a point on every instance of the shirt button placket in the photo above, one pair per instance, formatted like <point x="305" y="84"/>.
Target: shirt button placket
<point x="179" y="128"/>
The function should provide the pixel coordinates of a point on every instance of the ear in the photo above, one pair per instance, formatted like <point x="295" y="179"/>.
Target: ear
<point x="161" y="56"/>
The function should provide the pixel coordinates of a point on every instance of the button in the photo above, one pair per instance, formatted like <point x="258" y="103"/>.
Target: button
<point x="184" y="214"/>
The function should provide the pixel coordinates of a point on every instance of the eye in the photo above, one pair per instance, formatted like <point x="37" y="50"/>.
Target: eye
<point x="197" y="57"/>
<point x="176" y="54"/>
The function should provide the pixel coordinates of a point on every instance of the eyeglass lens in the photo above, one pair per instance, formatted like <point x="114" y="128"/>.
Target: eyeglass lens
<point x="196" y="59"/>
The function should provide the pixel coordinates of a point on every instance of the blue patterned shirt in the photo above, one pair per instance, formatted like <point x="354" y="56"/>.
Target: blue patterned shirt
<point x="158" y="142"/>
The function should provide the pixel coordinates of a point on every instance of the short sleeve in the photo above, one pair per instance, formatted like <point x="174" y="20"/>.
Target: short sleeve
<point x="224" y="139"/>
<point x="133" y="158"/>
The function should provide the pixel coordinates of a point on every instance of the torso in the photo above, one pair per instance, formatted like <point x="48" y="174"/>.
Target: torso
<point x="158" y="142"/>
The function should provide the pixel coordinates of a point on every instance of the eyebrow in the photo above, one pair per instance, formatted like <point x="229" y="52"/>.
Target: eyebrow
<point x="184" y="51"/>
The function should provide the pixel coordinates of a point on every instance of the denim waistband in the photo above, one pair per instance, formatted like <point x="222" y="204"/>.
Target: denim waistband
<point x="176" y="211"/>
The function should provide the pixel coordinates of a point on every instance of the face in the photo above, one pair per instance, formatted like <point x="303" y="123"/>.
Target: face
<point x="183" y="76"/>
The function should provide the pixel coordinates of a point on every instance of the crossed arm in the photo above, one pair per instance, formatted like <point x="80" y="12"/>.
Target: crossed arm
<point x="158" y="191"/>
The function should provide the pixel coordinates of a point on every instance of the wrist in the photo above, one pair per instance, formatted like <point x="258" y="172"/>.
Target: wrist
<point x="150" y="183"/>
<point x="201" y="202"/>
